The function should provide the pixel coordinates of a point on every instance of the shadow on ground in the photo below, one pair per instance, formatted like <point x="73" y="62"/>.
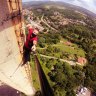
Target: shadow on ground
<point x="8" y="91"/>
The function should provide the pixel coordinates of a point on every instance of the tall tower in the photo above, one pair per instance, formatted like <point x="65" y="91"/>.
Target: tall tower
<point x="11" y="48"/>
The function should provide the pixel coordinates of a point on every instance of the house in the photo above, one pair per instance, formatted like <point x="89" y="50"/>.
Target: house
<point x="81" y="60"/>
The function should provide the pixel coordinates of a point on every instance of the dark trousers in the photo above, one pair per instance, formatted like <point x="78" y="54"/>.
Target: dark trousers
<point x="26" y="55"/>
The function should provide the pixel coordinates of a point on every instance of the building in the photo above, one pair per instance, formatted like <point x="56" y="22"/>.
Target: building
<point x="11" y="48"/>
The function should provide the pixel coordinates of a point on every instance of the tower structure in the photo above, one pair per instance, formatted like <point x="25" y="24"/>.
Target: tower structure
<point x="11" y="48"/>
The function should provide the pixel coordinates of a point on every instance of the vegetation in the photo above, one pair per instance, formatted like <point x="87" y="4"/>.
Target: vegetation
<point x="35" y="77"/>
<point x="63" y="77"/>
<point x="60" y="74"/>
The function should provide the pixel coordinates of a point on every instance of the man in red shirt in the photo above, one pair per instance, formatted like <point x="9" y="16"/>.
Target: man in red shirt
<point x="30" y="43"/>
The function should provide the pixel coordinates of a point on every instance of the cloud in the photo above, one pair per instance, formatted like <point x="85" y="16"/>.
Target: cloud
<point x="94" y="2"/>
<point x="87" y="4"/>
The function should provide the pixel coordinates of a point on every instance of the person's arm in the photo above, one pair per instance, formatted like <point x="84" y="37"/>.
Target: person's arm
<point x="34" y="45"/>
<point x="35" y="42"/>
<point x="24" y="27"/>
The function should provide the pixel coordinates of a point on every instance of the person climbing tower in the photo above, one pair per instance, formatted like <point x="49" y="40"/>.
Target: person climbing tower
<point x="30" y="43"/>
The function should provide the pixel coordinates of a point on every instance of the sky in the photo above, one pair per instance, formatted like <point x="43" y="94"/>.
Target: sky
<point x="87" y="4"/>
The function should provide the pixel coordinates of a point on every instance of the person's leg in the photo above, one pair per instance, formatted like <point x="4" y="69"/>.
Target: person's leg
<point x="26" y="55"/>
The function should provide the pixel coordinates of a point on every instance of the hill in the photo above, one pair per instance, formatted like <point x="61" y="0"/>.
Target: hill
<point x="41" y="3"/>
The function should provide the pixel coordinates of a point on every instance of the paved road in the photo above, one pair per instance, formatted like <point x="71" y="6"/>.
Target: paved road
<point x="44" y="21"/>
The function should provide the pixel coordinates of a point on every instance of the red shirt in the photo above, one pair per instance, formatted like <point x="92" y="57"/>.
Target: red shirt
<point x="30" y="38"/>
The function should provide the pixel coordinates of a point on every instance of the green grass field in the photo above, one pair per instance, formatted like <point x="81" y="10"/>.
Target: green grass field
<point x="71" y="50"/>
<point x="35" y="77"/>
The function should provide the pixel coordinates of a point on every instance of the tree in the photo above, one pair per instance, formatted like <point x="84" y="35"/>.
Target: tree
<point x="42" y="45"/>
<point x="70" y="93"/>
<point x="49" y="49"/>
<point x="65" y="77"/>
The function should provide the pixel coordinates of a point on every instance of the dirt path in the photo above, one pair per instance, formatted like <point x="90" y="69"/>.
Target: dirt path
<point x="70" y="62"/>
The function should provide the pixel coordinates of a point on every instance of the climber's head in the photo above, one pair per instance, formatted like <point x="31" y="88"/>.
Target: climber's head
<point x="35" y="31"/>
<point x="29" y="26"/>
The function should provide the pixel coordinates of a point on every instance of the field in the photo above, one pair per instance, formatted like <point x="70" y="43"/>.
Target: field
<point x="70" y="50"/>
